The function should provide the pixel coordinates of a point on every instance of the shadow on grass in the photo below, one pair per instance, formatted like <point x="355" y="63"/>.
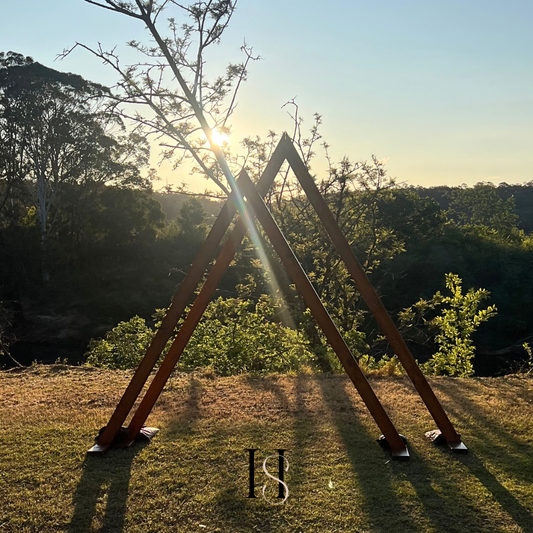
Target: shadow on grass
<point x="232" y="505"/>
<point x="508" y="449"/>
<point x="501" y="449"/>
<point x="442" y="503"/>
<point x="411" y="496"/>
<point x="378" y="501"/>
<point x="100" y="501"/>
<point x="234" y="509"/>
<point x="191" y="405"/>
<point x="387" y="499"/>
<point x="521" y="516"/>
<point x="303" y="425"/>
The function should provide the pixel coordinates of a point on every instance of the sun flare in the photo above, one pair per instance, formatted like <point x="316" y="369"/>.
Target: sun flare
<point x="220" y="138"/>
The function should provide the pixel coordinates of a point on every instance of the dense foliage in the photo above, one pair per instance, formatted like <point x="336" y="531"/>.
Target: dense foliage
<point x="234" y="336"/>
<point x="452" y="329"/>
<point x="82" y="234"/>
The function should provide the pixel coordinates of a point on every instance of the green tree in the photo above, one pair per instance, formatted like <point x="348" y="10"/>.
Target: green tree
<point x="191" y="220"/>
<point x="172" y="82"/>
<point x="241" y="336"/>
<point x="57" y="136"/>
<point x="412" y="217"/>
<point x="123" y="347"/>
<point x="481" y="205"/>
<point x="353" y="192"/>
<point x="13" y="165"/>
<point x="125" y="218"/>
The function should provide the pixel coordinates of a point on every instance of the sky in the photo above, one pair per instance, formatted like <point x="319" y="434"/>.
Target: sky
<point x="442" y="90"/>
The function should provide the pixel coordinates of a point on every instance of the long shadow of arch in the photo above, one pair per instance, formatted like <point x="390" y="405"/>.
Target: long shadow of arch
<point x="237" y="511"/>
<point x="303" y="424"/>
<point x="231" y="472"/>
<point x="372" y="479"/>
<point x="509" y="450"/>
<point x="513" y="457"/>
<point x="100" y="501"/>
<point x="522" y="516"/>
<point x="443" y="503"/>
<point x="378" y="477"/>
<point x="188" y="413"/>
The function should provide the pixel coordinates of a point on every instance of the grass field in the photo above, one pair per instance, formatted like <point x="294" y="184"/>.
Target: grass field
<point x="193" y="477"/>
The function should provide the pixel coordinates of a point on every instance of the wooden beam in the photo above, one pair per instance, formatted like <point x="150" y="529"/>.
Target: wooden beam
<point x="370" y="296"/>
<point x="179" y="302"/>
<point x="200" y="304"/>
<point x="306" y="289"/>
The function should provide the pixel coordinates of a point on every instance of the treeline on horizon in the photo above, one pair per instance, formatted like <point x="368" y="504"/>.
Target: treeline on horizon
<point x="85" y="242"/>
<point x="126" y="257"/>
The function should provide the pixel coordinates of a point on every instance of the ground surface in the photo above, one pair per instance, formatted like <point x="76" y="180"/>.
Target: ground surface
<point x="194" y="475"/>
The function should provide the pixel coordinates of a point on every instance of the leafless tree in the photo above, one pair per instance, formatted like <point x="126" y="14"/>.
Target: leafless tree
<point x="181" y="118"/>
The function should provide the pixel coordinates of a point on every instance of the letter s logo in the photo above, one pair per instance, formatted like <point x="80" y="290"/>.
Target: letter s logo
<point x="279" y="480"/>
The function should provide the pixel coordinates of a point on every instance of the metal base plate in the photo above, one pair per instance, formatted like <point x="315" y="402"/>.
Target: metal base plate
<point x="401" y="455"/>
<point x="437" y="438"/>
<point x="398" y="455"/>
<point x="98" y="450"/>
<point x="146" y="434"/>
<point x="457" y="447"/>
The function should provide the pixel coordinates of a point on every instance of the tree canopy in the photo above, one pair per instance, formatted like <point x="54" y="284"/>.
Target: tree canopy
<point x="58" y="141"/>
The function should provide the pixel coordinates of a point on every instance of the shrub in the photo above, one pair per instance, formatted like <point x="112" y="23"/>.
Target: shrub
<point x="234" y="336"/>
<point x="385" y="366"/>
<point x="237" y="336"/>
<point x="123" y="347"/>
<point x="452" y="329"/>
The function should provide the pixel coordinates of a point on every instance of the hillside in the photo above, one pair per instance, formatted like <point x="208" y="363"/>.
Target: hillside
<point x="171" y="203"/>
<point x="194" y="475"/>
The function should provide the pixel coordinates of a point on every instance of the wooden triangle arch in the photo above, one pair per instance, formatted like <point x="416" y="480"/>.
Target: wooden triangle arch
<point x="115" y="434"/>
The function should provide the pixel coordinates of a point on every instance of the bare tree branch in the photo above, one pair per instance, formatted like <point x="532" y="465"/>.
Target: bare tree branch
<point x="144" y="83"/>
<point x="112" y="6"/>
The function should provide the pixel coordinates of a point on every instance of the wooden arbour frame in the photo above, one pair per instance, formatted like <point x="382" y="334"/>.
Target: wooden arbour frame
<point x="115" y="434"/>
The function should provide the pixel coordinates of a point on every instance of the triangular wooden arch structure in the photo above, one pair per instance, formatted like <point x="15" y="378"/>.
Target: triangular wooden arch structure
<point x="115" y="434"/>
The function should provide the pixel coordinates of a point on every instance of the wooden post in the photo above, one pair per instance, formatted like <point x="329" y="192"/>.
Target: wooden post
<point x="304" y="286"/>
<point x="186" y="330"/>
<point x="180" y="301"/>
<point x="371" y="298"/>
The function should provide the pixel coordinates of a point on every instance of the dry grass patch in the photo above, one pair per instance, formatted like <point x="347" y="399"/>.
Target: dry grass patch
<point x="194" y="474"/>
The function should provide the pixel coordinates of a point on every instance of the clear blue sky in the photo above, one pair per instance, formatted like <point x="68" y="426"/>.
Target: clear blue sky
<point x="441" y="89"/>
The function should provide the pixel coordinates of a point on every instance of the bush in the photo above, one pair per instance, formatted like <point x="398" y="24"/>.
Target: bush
<point x="234" y="336"/>
<point x="123" y="347"/>
<point x="451" y="330"/>
<point x="385" y="366"/>
<point x="4" y="323"/>
<point x="6" y="337"/>
<point x="240" y="336"/>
